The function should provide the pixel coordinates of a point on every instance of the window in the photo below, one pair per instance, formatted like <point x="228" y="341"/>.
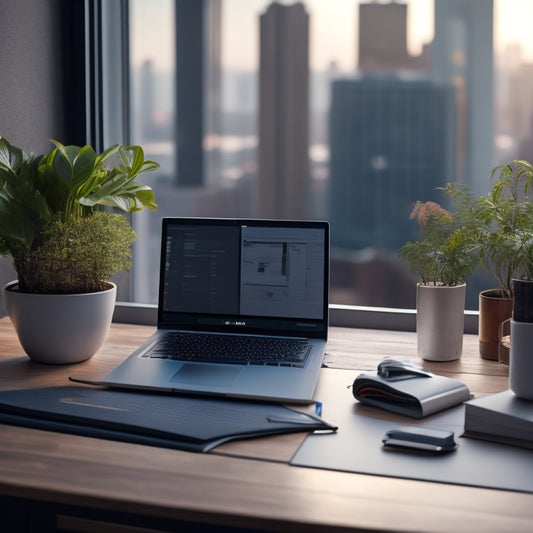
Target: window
<point x="347" y="111"/>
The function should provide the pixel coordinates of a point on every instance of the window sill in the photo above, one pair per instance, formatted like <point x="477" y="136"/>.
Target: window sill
<point x="340" y="315"/>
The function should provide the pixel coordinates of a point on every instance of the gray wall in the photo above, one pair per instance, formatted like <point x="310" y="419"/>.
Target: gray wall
<point x="31" y="79"/>
<point x="30" y="73"/>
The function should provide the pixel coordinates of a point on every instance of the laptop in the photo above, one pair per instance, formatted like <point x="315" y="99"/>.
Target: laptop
<point x="253" y="294"/>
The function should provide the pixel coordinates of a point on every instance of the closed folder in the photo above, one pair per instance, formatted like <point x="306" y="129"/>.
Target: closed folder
<point x="415" y="396"/>
<point x="187" y="423"/>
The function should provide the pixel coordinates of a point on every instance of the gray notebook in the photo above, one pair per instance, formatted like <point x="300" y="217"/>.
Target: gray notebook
<point x="501" y="418"/>
<point x="192" y="424"/>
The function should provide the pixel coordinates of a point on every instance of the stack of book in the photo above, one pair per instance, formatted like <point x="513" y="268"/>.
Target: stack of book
<point x="500" y="418"/>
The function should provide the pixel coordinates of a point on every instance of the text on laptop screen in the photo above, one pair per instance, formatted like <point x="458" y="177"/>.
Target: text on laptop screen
<point x="244" y="270"/>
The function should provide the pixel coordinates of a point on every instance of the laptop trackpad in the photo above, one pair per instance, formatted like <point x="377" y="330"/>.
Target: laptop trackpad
<point x="212" y="375"/>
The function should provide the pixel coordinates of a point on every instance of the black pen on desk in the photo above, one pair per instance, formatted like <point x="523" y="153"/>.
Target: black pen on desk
<point x="295" y="418"/>
<point x="412" y="444"/>
<point x="281" y="419"/>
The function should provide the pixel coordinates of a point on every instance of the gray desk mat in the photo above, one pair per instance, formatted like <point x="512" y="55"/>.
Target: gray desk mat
<point x="357" y="447"/>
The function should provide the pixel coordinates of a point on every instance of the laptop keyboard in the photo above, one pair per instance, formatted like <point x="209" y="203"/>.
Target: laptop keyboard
<point x="251" y="350"/>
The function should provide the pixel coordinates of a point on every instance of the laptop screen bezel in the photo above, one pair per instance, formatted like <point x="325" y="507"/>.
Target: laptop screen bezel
<point x="312" y="328"/>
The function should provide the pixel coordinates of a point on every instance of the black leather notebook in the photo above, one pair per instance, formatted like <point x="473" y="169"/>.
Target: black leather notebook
<point x="187" y="423"/>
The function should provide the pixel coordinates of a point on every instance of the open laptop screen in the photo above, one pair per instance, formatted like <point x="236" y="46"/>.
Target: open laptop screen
<point x="244" y="275"/>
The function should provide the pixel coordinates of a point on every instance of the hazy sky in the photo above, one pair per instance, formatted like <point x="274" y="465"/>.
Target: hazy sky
<point x="333" y="25"/>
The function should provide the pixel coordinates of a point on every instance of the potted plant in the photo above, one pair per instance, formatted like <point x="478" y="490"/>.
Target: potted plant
<point x="503" y="222"/>
<point x="65" y="242"/>
<point x="442" y="259"/>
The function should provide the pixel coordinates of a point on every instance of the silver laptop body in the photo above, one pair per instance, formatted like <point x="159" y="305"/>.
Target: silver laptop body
<point x="234" y="280"/>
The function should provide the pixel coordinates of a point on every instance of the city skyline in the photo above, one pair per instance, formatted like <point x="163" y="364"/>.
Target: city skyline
<point x="237" y="180"/>
<point x="336" y="31"/>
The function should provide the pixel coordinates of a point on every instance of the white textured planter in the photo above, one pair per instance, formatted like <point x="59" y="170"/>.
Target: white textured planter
<point x="521" y="360"/>
<point x="440" y="321"/>
<point x="60" y="328"/>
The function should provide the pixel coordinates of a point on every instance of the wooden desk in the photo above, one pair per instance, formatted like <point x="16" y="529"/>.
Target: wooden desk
<point x="86" y="484"/>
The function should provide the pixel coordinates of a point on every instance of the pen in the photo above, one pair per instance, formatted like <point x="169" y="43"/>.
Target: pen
<point x="413" y="444"/>
<point x="281" y="419"/>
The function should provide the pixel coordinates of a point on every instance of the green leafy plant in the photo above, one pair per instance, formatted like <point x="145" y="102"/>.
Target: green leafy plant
<point x="446" y="253"/>
<point x="503" y="221"/>
<point x="55" y="217"/>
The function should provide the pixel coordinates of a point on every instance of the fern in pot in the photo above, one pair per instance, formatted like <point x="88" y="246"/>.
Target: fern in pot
<point x="505" y="225"/>
<point x="65" y="242"/>
<point x="442" y="259"/>
<point x="503" y="221"/>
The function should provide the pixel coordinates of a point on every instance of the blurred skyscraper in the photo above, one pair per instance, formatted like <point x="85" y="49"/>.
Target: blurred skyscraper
<point x="461" y="55"/>
<point x="383" y="39"/>
<point x="283" y="112"/>
<point x="146" y="112"/>
<point x="391" y="143"/>
<point x="392" y="135"/>
<point x="213" y="93"/>
<point x="198" y="87"/>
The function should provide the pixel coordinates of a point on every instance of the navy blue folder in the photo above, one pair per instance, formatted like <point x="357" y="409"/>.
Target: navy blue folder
<point x="187" y="423"/>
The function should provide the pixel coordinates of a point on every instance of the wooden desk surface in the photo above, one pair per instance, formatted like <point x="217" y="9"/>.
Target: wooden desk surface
<point x="246" y="483"/>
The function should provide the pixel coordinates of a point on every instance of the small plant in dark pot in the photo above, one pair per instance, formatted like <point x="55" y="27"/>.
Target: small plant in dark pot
<point x="57" y="226"/>
<point x="503" y="221"/>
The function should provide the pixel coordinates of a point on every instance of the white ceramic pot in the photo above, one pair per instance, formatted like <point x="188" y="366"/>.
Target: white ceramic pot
<point x="521" y="359"/>
<point x="60" y="328"/>
<point x="440" y="321"/>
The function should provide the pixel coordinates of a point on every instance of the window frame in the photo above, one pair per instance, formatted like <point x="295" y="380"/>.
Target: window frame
<point x="108" y="123"/>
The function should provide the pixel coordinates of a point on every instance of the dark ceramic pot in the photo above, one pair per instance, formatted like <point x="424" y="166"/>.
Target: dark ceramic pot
<point x="494" y="308"/>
